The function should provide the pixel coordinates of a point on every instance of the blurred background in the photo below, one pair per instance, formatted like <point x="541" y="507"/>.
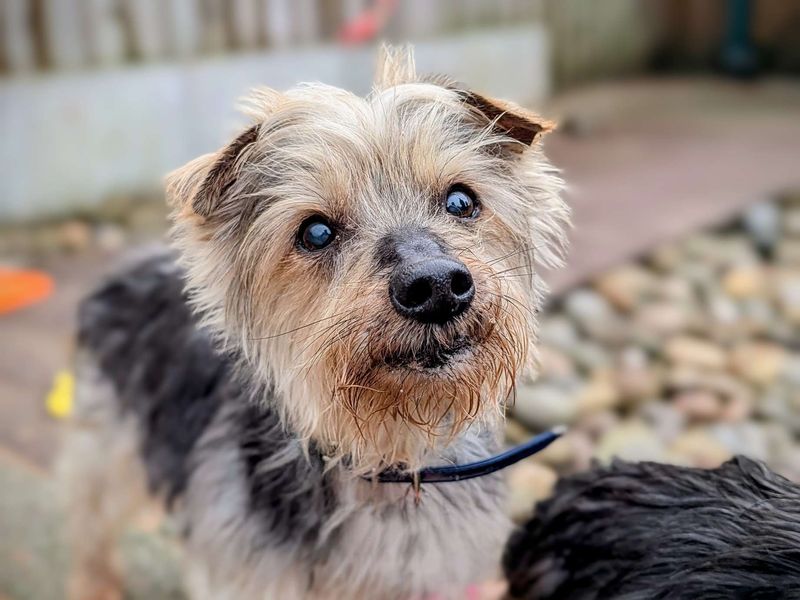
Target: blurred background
<point x="672" y="334"/>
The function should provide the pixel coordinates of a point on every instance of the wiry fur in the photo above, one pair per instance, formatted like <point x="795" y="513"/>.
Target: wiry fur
<point x="315" y="326"/>
<point x="649" y="531"/>
<point x="257" y="411"/>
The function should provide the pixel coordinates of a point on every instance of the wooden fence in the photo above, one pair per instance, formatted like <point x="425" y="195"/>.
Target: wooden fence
<point x="79" y="34"/>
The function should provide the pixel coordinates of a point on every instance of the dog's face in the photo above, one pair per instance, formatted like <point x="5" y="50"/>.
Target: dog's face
<point x="374" y="258"/>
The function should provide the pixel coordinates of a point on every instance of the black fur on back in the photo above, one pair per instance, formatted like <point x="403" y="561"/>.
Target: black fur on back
<point x="166" y="371"/>
<point x="170" y="376"/>
<point x="294" y="500"/>
<point x="651" y="531"/>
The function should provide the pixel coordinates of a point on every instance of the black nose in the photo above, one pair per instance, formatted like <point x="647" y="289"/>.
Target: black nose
<point x="435" y="290"/>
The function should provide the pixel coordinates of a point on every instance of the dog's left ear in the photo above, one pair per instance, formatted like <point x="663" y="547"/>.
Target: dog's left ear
<point x="507" y="118"/>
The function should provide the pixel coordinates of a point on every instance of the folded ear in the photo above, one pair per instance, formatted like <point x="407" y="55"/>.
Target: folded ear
<point x="507" y="118"/>
<point x="203" y="184"/>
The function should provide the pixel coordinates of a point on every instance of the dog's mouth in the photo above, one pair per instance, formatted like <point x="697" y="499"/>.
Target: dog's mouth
<point x="431" y="355"/>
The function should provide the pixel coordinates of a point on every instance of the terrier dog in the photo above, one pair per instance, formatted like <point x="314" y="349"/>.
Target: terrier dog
<point x="640" y="531"/>
<point x="355" y="290"/>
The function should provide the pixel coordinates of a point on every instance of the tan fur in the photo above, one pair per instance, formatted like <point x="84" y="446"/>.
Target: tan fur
<point x="320" y="327"/>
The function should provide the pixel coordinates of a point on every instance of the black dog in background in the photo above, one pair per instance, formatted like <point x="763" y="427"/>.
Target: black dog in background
<point x="637" y="531"/>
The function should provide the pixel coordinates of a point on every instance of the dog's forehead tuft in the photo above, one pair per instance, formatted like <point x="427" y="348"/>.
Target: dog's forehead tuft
<point x="326" y="108"/>
<point x="321" y="132"/>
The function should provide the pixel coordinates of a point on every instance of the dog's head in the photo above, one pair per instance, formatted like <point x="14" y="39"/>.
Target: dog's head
<point x="374" y="258"/>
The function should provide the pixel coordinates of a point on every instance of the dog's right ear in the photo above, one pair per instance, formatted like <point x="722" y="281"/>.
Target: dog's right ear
<point x="202" y="185"/>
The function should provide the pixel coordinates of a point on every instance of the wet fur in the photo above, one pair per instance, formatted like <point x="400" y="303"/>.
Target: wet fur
<point x="247" y="384"/>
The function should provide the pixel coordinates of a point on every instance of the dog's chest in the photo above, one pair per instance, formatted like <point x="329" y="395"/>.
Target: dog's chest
<point x="449" y="537"/>
<point x="266" y="522"/>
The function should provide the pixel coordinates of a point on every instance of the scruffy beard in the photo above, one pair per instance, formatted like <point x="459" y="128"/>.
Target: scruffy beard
<point x="394" y="393"/>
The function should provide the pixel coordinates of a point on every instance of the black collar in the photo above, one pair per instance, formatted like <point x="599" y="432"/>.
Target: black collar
<point x="480" y="468"/>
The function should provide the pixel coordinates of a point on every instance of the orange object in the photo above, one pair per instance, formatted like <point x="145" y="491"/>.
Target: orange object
<point x="368" y="24"/>
<point x="20" y="288"/>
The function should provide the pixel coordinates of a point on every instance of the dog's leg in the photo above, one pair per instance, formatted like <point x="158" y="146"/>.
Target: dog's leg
<point x="103" y="483"/>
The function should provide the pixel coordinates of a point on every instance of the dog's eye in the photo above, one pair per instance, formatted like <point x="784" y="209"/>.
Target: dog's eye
<point x="461" y="202"/>
<point x="315" y="233"/>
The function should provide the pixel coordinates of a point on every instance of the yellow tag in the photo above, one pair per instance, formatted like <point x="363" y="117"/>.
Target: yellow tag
<point x="59" y="400"/>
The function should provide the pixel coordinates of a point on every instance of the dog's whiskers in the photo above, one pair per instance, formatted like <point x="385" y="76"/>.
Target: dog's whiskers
<point x="294" y="329"/>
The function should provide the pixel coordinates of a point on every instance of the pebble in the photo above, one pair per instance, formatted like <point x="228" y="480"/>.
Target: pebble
<point x="780" y="442"/>
<point x="636" y="379"/>
<point x="788" y="464"/>
<point x="787" y="292"/>
<point x="763" y="222"/>
<point x="781" y="404"/>
<point x="699" y="405"/>
<point x="725" y="313"/>
<point x="697" y="448"/>
<point x="695" y="352"/>
<point x="667" y="257"/>
<point x="585" y="306"/>
<point x="545" y="405"/>
<point x="745" y="282"/>
<point x="719" y="250"/>
<point x="666" y="420"/>
<point x="737" y="408"/>
<point x="599" y="394"/>
<point x="516" y="432"/>
<point x="583" y="451"/>
<point x="630" y="440"/>
<point x="760" y="363"/>
<point x="597" y="424"/>
<point x="698" y="274"/>
<point x="675" y="290"/>
<point x="561" y="453"/>
<point x="663" y="318"/>
<point x="724" y="384"/>
<point x="625" y="287"/>
<point x="590" y="355"/>
<point x="742" y="438"/>
<point x="554" y="364"/>
<point x="559" y="332"/>
<point x="791" y="370"/>
<point x="529" y="483"/>
<point x="758" y="315"/>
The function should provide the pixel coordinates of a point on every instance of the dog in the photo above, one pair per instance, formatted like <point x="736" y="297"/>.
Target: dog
<point x="639" y="531"/>
<point x="353" y="287"/>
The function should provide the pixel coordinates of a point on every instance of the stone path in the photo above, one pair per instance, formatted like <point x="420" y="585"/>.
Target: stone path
<point x="650" y="162"/>
<point x="687" y="356"/>
<point x="645" y="161"/>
